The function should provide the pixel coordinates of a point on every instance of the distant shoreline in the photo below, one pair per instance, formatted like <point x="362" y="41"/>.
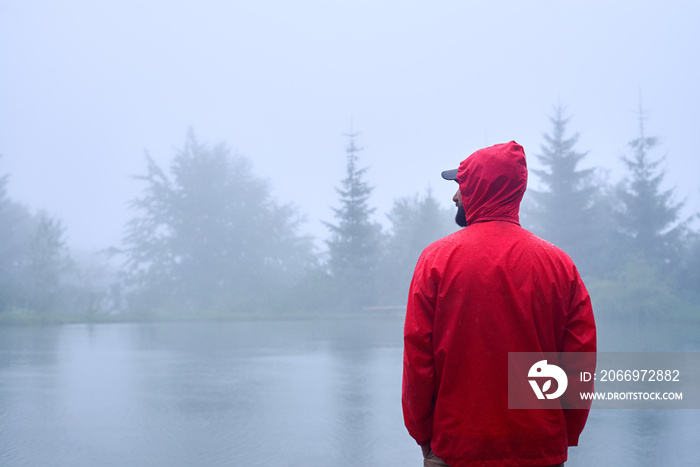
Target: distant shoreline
<point x="32" y="318"/>
<point x="23" y="317"/>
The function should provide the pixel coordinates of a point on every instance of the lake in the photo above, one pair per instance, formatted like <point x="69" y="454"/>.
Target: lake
<point x="317" y="392"/>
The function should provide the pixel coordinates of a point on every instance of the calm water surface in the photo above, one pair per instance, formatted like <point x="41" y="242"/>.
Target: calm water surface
<point x="262" y="393"/>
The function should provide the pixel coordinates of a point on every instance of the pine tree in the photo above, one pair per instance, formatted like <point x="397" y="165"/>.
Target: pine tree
<point x="648" y="218"/>
<point x="355" y="240"/>
<point x="16" y="225"/>
<point x="48" y="264"/>
<point x="416" y="222"/>
<point x="564" y="211"/>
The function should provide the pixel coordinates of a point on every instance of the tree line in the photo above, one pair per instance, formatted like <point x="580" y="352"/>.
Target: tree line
<point x="208" y="239"/>
<point x="37" y="271"/>
<point x="639" y="256"/>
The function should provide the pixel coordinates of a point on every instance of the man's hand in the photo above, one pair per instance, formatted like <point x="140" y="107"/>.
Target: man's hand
<point x="426" y="449"/>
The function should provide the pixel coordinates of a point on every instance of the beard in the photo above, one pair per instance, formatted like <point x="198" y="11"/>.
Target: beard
<point x="461" y="217"/>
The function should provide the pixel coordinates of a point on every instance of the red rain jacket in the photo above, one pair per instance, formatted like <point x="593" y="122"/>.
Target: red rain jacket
<point x="486" y="290"/>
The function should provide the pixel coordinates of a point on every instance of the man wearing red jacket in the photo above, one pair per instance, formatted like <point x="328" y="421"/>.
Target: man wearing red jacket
<point x="486" y="290"/>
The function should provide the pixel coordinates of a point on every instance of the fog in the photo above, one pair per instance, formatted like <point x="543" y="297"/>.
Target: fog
<point x="167" y="162"/>
<point x="88" y="87"/>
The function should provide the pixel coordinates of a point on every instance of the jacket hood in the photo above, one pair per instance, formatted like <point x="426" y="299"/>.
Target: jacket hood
<point x="492" y="182"/>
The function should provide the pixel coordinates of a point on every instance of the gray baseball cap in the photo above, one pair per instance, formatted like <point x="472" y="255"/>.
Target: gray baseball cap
<point x="450" y="174"/>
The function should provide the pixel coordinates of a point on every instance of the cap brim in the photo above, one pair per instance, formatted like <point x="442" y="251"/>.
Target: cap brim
<point x="450" y="174"/>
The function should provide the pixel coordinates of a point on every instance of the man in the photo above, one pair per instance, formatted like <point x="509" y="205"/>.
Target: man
<point x="477" y="294"/>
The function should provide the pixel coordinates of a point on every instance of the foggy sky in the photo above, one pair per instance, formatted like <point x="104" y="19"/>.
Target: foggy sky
<point x="88" y="86"/>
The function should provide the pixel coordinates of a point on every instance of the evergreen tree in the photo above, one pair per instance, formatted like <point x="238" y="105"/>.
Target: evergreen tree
<point x="648" y="218"/>
<point x="15" y="227"/>
<point x="209" y="236"/>
<point x="48" y="264"/>
<point x="34" y="258"/>
<point x="564" y="212"/>
<point x="355" y="240"/>
<point x="416" y="222"/>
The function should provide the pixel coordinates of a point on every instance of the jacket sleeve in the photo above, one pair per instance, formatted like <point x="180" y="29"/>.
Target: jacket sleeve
<point x="579" y="336"/>
<point x="419" y="380"/>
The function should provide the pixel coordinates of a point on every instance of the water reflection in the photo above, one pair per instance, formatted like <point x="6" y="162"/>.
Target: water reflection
<point x="268" y="393"/>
